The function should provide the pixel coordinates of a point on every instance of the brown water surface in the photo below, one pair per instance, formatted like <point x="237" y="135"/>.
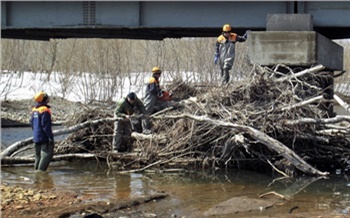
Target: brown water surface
<point x="191" y="194"/>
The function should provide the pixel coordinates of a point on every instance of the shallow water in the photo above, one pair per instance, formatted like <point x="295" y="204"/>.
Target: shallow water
<point x="191" y="194"/>
<point x="15" y="134"/>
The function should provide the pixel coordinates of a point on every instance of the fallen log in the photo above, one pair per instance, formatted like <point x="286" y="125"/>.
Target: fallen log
<point x="22" y="160"/>
<point x="23" y="143"/>
<point x="12" y="148"/>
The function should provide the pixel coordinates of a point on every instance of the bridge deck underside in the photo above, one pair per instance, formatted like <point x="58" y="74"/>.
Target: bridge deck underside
<point x="159" y="20"/>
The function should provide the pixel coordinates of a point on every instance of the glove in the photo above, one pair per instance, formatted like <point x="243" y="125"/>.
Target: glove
<point x="160" y="94"/>
<point x="216" y="58"/>
<point x="245" y="36"/>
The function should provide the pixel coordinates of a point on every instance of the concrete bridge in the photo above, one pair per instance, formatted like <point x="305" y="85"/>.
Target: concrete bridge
<point x="42" y="20"/>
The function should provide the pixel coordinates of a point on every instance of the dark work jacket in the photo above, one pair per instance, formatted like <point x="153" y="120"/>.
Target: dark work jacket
<point x="153" y="87"/>
<point x="225" y="48"/>
<point x="41" y="123"/>
<point x="125" y="108"/>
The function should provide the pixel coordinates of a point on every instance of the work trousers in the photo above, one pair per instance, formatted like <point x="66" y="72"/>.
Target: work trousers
<point x="122" y="135"/>
<point x="43" y="155"/>
<point x="225" y="75"/>
<point x="151" y="107"/>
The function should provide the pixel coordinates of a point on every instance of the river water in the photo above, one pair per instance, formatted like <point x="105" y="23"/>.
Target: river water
<point x="190" y="194"/>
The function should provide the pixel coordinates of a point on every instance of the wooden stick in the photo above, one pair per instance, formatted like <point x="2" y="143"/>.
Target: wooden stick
<point x="301" y="73"/>
<point x="279" y="171"/>
<point x="336" y="119"/>
<point x="300" y="104"/>
<point x="272" y="193"/>
<point x="342" y="103"/>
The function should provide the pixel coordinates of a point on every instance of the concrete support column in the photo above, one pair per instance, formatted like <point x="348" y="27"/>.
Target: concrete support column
<point x="290" y="40"/>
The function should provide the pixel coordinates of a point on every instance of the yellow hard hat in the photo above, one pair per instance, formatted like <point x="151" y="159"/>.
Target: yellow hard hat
<point x="156" y="70"/>
<point x="40" y="97"/>
<point x="226" y="28"/>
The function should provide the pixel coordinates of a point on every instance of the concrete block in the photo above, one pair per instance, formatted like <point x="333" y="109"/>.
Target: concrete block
<point x="294" y="49"/>
<point x="329" y="53"/>
<point x="289" y="22"/>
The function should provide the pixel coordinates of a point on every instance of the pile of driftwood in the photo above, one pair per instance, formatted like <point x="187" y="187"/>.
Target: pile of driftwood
<point x="274" y="119"/>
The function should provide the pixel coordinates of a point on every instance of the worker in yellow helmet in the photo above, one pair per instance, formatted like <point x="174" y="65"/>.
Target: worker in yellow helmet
<point x="155" y="98"/>
<point x="225" y="50"/>
<point x="42" y="130"/>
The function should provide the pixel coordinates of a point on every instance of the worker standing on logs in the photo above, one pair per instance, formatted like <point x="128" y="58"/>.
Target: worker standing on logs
<point x="225" y="51"/>
<point x="155" y="99"/>
<point x="123" y="127"/>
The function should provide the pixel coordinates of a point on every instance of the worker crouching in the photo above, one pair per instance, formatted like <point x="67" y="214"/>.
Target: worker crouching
<point x="123" y="128"/>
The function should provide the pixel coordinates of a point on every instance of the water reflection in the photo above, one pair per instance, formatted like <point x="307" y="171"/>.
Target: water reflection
<point x="43" y="180"/>
<point x="122" y="186"/>
<point x="128" y="186"/>
<point x="136" y="185"/>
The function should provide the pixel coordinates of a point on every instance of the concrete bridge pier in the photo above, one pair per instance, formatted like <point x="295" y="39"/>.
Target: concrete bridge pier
<point x="290" y="40"/>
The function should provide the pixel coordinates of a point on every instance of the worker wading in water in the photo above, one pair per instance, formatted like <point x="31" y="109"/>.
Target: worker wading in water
<point x="41" y="124"/>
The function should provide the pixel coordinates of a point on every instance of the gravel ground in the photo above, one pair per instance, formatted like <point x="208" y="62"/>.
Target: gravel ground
<point x="25" y="202"/>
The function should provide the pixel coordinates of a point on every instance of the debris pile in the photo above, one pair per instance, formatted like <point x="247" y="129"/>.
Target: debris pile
<point x="275" y="118"/>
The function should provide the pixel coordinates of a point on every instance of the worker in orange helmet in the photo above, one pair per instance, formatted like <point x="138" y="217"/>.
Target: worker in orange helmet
<point x="155" y="98"/>
<point x="42" y="130"/>
<point x="225" y="50"/>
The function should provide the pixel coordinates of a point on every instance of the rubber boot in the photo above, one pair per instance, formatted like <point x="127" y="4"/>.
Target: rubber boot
<point x="146" y="126"/>
<point x="46" y="156"/>
<point x="226" y="76"/>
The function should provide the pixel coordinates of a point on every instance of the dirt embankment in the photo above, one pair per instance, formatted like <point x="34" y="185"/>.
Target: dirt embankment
<point x="18" y="202"/>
